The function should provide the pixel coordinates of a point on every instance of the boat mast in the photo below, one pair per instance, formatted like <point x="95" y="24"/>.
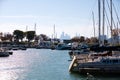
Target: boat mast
<point x="35" y="28"/>
<point x="26" y="31"/>
<point x="99" y="25"/>
<point x="35" y="31"/>
<point x="93" y="23"/>
<point x="111" y="27"/>
<point x="54" y="31"/>
<point x="103" y="21"/>
<point x="54" y="34"/>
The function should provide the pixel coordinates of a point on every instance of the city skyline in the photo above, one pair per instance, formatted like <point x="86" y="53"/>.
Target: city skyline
<point x="69" y="16"/>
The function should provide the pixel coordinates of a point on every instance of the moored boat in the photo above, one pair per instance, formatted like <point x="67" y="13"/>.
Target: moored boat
<point x="63" y="46"/>
<point x="4" y="53"/>
<point x="72" y="53"/>
<point x="109" y="64"/>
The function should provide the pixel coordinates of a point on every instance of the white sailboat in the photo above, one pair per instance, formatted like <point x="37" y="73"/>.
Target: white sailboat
<point x="101" y="62"/>
<point x="96" y="63"/>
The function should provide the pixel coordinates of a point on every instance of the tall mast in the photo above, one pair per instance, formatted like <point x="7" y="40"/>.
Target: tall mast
<point x="54" y="31"/>
<point x="93" y="23"/>
<point x="35" y="27"/>
<point x="111" y="16"/>
<point x="26" y="28"/>
<point x="26" y="31"/>
<point x="99" y="15"/>
<point x="111" y="27"/>
<point x="103" y="21"/>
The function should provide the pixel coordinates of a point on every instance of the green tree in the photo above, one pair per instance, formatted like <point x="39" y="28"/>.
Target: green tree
<point x="75" y="39"/>
<point x="44" y="37"/>
<point x="87" y="40"/>
<point x="78" y="39"/>
<point x="18" y="35"/>
<point x="30" y="35"/>
<point x="94" y="40"/>
<point x="7" y="36"/>
<point x="82" y="38"/>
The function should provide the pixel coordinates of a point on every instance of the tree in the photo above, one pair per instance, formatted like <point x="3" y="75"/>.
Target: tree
<point x="78" y="39"/>
<point x="44" y="37"/>
<point x="82" y="39"/>
<point x="75" y="39"/>
<point x="94" y="40"/>
<point x="30" y="35"/>
<point x="87" y="40"/>
<point x="7" y="36"/>
<point x="36" y="38"/>
<point x="18" y="35"/>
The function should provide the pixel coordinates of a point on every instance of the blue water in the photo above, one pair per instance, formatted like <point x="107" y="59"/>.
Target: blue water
<point x="40" y="64"/>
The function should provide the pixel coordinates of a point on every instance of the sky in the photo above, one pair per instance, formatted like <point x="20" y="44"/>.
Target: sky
<point x="73" y="17"/>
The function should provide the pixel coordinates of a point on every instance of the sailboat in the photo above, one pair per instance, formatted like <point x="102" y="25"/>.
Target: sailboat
<point x="106" y="62"/>
<point x="3" y="51"/>
<point x="53" y="47"/>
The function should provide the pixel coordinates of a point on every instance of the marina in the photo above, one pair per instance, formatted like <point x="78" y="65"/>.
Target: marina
<point x="41" y="64"/>
<point x="47" y="41"/>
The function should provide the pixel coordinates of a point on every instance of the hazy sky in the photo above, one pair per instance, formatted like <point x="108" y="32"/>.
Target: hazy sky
<point x="69" y="16"/>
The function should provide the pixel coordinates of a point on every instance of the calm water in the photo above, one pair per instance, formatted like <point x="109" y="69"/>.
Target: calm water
<point x="39" y="64"/>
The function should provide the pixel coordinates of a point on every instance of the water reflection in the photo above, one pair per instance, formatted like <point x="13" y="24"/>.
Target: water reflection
<point x="8" y="75"/>
<point x="39" y="65"/>
<point x="13" y="67"/>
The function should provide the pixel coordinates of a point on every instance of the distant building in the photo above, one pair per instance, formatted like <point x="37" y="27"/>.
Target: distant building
<point x="115" y="40"/>
<point x="64" y="36"/>
<point x="103" y="37"/>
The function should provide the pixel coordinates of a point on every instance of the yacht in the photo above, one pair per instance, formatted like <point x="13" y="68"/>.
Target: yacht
<point x="72" y="53"/>
<point x="63" y="46"/>
<point x="94" y="63"/>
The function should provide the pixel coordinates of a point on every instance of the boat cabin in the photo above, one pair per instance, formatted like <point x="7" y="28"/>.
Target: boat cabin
<point x="111" y="61"/>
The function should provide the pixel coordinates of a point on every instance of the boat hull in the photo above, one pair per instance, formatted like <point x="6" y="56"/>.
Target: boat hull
<point x="4" y="54"/>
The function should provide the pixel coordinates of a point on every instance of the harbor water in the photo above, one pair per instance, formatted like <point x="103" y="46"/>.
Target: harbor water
<point x="40" y="64"/>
